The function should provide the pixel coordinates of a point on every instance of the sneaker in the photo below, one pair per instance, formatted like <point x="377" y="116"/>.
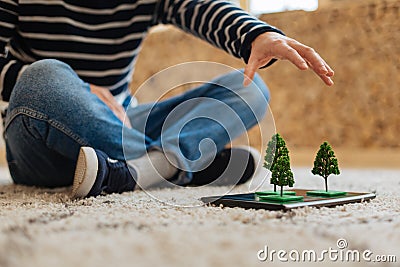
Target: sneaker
<point x="243" y="162"/>
<point x="96" y="173"/>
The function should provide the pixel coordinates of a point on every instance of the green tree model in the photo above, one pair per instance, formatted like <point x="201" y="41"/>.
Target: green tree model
<point x="281" y="173"/>
<point x="325" y="163"/>
<point x="276" y="148"/>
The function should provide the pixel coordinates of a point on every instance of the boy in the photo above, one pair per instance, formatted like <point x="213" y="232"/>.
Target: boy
<point x="65" y="71"/>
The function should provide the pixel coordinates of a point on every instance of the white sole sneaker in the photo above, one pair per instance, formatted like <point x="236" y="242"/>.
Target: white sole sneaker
<point x="85" y="172"/>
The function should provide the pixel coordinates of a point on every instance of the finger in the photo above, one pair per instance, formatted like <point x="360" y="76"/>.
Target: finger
<point x="111" y="102"/>
<point x="120" y="114"/>
<point x="324" y="77"/>
<point x="330" y="73"/>
<point x="250" y="71"/>
<point x="252" y="66"/>
<point x="112" y="107"/>
<point x="293" y="56"/>
<point x="116" y="108"/>
<point x="127" y="122"/>
<point x="327" y="80"/>
<point x="105" y="95"/>
<point x="316" y="62"/>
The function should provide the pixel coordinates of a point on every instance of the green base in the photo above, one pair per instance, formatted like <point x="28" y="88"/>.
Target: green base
<point x="321" y="193"/>
<point x="284" y="198"/>
<point x="268" y="193"/>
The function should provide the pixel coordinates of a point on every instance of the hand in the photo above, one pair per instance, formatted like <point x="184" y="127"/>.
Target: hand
<point x="105" y="96"/>
<point x="271" y="45"/>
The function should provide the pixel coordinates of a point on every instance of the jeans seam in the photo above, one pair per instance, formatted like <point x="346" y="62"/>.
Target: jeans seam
<point x="40" y="116"/>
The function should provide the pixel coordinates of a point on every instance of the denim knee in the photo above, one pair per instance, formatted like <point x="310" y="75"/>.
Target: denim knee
<point x="45" y="72"/>
<point x="43" y="80"/>
<point x="48" y="65"/>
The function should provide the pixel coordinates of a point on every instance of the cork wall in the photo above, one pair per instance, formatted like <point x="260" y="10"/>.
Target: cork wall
<point x="359" y="39"/>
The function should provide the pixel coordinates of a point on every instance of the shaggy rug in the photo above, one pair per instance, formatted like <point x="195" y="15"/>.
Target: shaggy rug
<point x="41" y="227"/>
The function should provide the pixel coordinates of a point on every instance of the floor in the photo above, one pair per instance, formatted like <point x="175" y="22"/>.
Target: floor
<point x="41" y="227"/>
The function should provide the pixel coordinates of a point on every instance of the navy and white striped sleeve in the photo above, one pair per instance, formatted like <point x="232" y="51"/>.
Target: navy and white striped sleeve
<point x="9" y="68"/>
<point x="220" y="23"/>
<point x="9" y="19"/>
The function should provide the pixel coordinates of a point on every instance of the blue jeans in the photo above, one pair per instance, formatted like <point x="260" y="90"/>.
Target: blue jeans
<point x="52" y="113"/>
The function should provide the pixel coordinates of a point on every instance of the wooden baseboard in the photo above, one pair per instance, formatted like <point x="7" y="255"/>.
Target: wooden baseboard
<point x="348" y="158"/>
<point x="352" y="158"/>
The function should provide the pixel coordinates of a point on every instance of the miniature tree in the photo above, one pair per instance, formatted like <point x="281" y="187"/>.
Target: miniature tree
<point x="325" y="163"/>
<point x="276" y="148"/>
<point x="282" y="174"/>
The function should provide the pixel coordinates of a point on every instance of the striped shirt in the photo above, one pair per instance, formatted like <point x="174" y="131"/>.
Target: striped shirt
<point x="101" y="39"/>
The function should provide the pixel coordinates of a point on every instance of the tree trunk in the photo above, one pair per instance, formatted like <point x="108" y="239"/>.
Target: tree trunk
<point x="274" y="187"/>
<point x="281" y="191"/>
<point x="326" y="184"/>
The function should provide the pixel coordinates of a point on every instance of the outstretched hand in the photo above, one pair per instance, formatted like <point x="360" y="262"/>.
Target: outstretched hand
<point x="272" y="45"/>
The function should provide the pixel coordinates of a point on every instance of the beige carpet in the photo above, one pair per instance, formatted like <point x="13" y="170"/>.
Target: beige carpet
<point x="44" y="228"/>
